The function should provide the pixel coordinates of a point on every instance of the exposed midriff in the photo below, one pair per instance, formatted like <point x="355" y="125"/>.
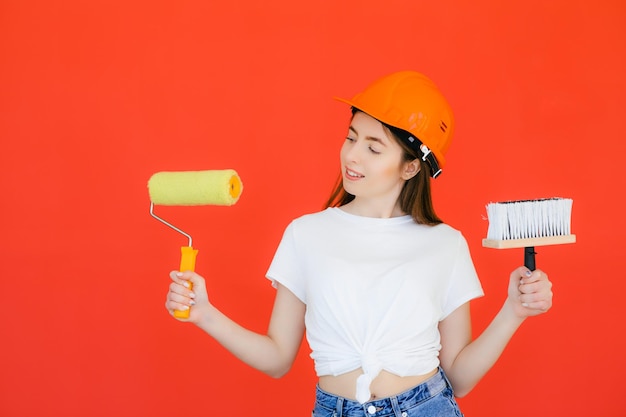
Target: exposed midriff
<point x="384" y="385"/>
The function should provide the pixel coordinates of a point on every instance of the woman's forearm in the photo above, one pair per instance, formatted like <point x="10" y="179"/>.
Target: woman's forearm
<point x="257" y="350"/>
<point x="272" y="353"/>
<point x="473" y="362"/>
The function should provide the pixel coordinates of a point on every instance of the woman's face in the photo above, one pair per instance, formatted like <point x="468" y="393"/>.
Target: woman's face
<point x="372" y="162"/>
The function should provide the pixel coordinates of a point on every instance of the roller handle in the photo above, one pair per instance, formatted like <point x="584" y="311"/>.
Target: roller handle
<point x="187" y="263"/>
<point x="529" y="257"/>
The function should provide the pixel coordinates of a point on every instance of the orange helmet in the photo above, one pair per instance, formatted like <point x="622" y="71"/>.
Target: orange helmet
<point x="410" y="101"/>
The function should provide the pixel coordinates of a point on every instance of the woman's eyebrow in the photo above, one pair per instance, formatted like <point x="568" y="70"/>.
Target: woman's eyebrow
<point x="372" y="138"/>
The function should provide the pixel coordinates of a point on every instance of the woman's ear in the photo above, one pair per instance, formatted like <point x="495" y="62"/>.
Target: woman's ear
<point x="411" y="168"/>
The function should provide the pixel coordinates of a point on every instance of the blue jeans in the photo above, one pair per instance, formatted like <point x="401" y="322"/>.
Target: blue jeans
<point x="432" y="398"/>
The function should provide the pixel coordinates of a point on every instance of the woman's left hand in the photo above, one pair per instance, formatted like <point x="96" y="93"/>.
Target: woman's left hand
<point x="530" y="293"/>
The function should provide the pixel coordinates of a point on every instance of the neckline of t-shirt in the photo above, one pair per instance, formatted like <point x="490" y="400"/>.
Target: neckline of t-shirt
<point x="371" y="220"/>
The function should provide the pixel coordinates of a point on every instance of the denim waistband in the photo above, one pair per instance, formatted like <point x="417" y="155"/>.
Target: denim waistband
<point x="389" y="406"/>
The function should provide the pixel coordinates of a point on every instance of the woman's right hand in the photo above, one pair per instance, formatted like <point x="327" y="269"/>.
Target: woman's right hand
<point x="181" y="297"/>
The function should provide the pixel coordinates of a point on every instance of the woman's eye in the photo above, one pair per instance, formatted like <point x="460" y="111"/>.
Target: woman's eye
<point x="350" y="139"/>
<point x="374" y="150"/>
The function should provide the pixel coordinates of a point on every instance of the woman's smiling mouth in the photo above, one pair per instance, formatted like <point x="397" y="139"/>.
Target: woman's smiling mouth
<point x="353" y="174"/>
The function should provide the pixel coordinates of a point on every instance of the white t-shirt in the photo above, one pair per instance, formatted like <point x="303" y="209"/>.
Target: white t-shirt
<point x="375" y="290"/>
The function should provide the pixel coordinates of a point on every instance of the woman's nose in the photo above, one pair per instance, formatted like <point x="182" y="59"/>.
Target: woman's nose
<point x="351" y="152"/>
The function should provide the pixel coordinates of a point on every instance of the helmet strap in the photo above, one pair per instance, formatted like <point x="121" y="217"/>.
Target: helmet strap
<point x="422" y="150"/>
<point x="428" y="157"/>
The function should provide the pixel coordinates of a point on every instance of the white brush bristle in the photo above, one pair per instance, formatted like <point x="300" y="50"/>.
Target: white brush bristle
<point x="529" y="218"/>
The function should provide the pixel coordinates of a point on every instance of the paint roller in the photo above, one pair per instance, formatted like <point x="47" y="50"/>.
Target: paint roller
<point x="192" y="188"/>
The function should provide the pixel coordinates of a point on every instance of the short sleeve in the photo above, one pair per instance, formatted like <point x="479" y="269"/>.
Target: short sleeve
<point x="286" y="266"/>
<point x="464" y="284"/>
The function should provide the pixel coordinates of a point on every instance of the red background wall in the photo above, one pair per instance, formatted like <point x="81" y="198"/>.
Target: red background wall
<point x="96" y="96"/>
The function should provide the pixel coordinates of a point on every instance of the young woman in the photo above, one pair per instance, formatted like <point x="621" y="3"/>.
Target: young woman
<point x="380" y="284"/>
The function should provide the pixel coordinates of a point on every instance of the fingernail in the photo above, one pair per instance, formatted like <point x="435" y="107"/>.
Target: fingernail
<point x="192" y="295"/>
<point x="192" y="303"/>
<point x="184" y="308"/>
<point x="186" y="284"/>
<point x="528" y="273"/>
<point x="179" y="274"/>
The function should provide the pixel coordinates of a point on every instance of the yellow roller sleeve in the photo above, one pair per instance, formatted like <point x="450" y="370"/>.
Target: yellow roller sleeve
<point x="195" y="188"/>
